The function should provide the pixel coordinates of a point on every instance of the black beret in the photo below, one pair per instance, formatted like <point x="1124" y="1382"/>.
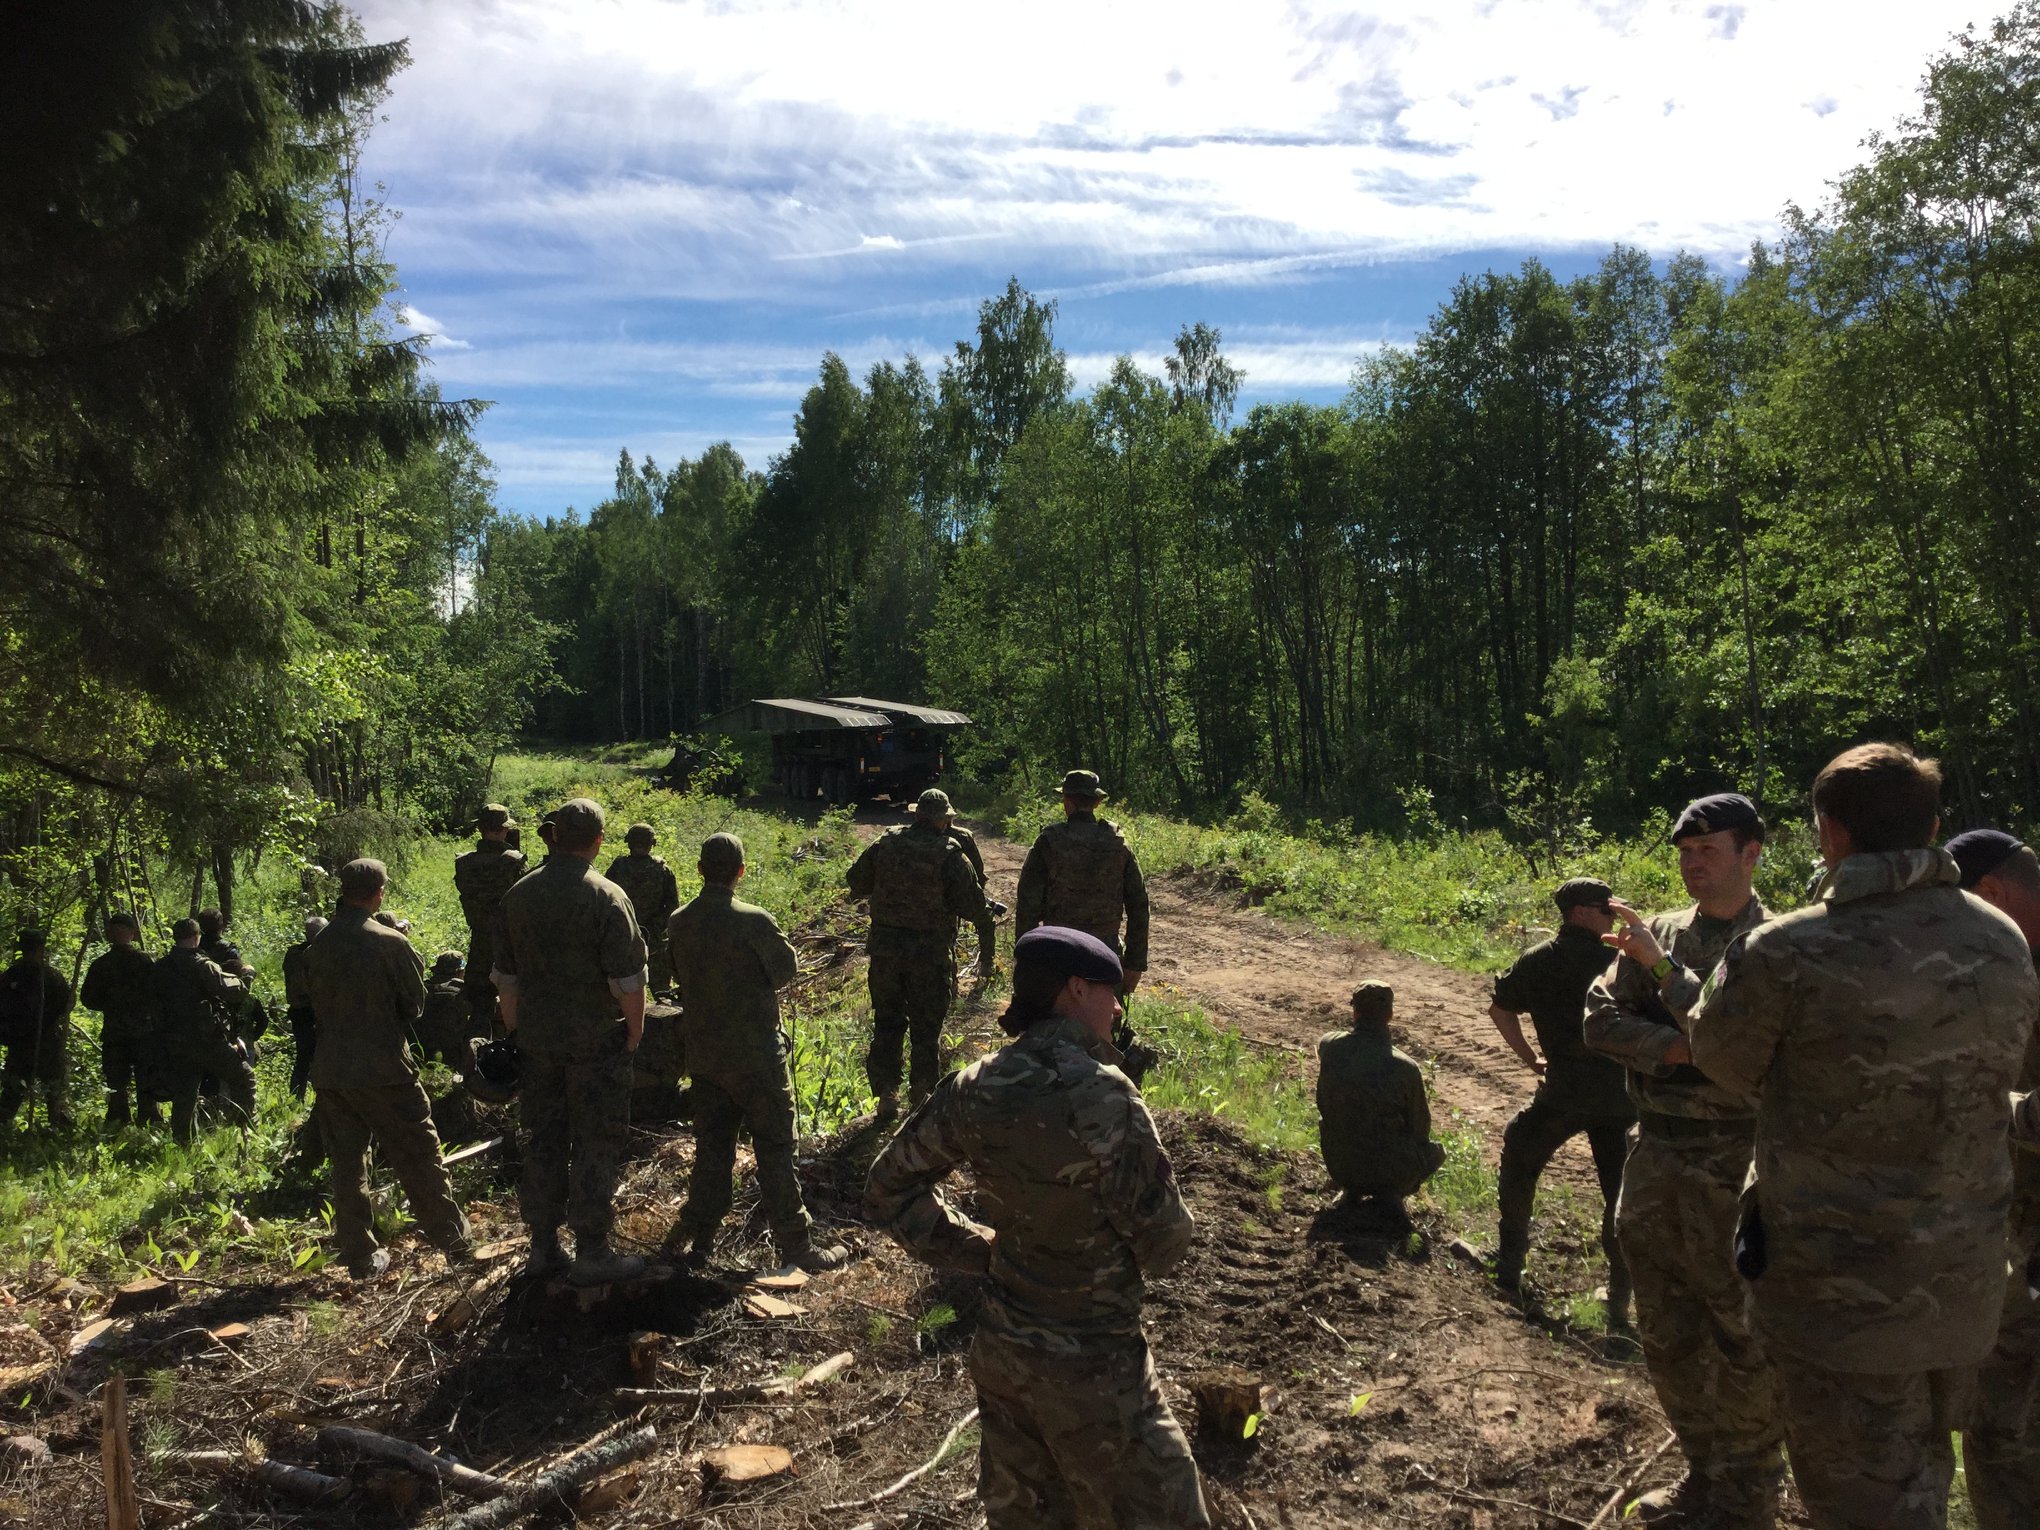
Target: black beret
<point x="1582" y="892"/>
<point x="1711" y="815"/>
<point x="1068" y="953"/>
<point x="1981" y="851"/>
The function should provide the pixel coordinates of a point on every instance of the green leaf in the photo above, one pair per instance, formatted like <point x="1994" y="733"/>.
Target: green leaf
<point x="1253" y="1426"/>
<point x="1360" y="1400"/>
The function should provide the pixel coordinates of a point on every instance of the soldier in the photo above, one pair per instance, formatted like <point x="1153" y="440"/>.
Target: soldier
<point x="2001" y="1446"/>
<point x="214" y="946"/>
<point x="35" y="1011"/>
<point x="195" y="1004"/>
<point x="367" y="989"/>
<point x="121" y="986"/>
<point x="729" y="962"/>
<point x="1577" y="1091"/>
<point x="297" y="1004"/>
<point x="1082" y="1205"/>
<point x="1374" y="1120"/>
<point x="1880" y="1031"/>
<point x="987" y="923"/>
<point x="919" y="885"/>
<point x="654" y="893"/>
<point x="1081" y="875"/>
<point x="444" y="1033"/>
<point x="570" y="971"/>
<point x="1675" y="1217"/>
<point x="481" y="877"/>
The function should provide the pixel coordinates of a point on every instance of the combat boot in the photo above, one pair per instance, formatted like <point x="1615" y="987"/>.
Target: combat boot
<point x="599" y="1265"/>
<point x="369" y="1266"/>
<point x="818" y="1258"/>
<point x="1618" y="1298"/>
<point x="1506" y="1262"/>
<point x="1685" y="1503"/>
<point x="888" y="1108"/>
<point x="546" y="1259"/>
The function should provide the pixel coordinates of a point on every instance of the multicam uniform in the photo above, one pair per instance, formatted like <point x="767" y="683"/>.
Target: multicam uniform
<point x="366" y="987"/>
<point x="568" y="944"/>
<point x="481" y="877"/>
<point x="654" y="893"/>
<point x="1081" y="1204"/>
<point x="1374" y="1120"/>
<point x="919" y="885"/>
<point x="730" y="960"/>
<point x="2001" y="1446"/>
<point x="35" y="1010"/>
<point x="1676" y="1220"/>
<point x="986" y="923"/>
<point x="195" y="1003"/>
<point x="1880" y="1030"/>
<point x="1081" y="874"/>
<point x="121" y="985"/>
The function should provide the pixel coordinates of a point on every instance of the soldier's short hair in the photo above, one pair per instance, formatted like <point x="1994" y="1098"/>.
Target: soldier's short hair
<point x="211" y="921"/>
<point x="640" y="834"/>
<point x="185" y="929"/>
<point x="125" y="920"/>
<point x="1887" y="797"/>
<point x="32" y="941"/>
<point x="722" y="857"/>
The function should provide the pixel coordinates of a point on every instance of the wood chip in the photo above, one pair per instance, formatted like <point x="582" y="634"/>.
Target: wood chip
<point x="642" y="1352"/>
<point x="26" y="1448"/>
<point x="90" y="1335"/>
<point x="229" y="1333"/>
<point x="16" y="1379"/>
<point x="790" y="1279"/>
<point x="745" y="1463"/>
<point x="489" y="1253"/>
<point x="601" y="1496"/>
<point x="759" y="1305"/>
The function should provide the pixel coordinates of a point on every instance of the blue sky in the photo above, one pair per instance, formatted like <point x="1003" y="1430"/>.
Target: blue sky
<point x="639" y="223"/>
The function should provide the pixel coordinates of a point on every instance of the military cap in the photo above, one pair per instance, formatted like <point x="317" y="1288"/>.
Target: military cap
<point x="1711" y="815"/>
<point x="32" y="940"/>
<point x="1083" y="783"/>
<point x="580" y="817"/>
<point x="446" y="963"/>
<point x="126" y="920"/>
<point x="933" y="803"/>
<point x="640" y="834"/>
<point x="1373" y="1001"/>
<point x="360" y="878"/>
<point x="1981" y="851"/>
<point x="494" y="816"/>
<point x="722" y="857"/>
<point x="1068" y="953"/>
<point x="1582" y="892"/>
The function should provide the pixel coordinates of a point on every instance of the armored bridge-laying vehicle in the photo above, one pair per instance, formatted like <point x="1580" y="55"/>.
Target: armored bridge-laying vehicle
<point x="847" y="749"/>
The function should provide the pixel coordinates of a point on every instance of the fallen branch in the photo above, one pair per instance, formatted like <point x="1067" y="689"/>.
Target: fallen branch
<point x="1614" y="1503"/>
<point x="116" y="1459"/>
<point x="462" y="1479"/>
<point x="775" y="1390"/>
<point x="293" y="1481"/>
<point x="1464" y="1496"/>
<point x="552" y="1488"/>
<point x="912" y="1477"/>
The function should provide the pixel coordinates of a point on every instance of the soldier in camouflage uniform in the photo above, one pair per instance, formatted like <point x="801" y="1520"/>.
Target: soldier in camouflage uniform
<point x="2001" y="1446"/>
<point x="987" y="923"/>
<point x="1374" y="1120"/>
<point x="367" y="989"/>
<point x="444" y="1027"/>
<point x="570" y="972"/>
<point x="654" y="893"/>
<point x="481" y="877"/>
<point x="1879" y="1030"/>
<point x="121" y="985"/>
<point x="35" y="1013"/>
<point x="1080" y="874"/>
<point x="195" y="1005"/>
<point x="297" y="1006"/>
<point x="1081" y="1205"/>
<point x="1676" y="1215"/>
<point x="730" y="960"/>
<point x="919" y="885"/>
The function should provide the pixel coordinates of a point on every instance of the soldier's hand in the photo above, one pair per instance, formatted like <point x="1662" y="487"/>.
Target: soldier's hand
<point x="1535" y="1065"/>
<point x="1130" y="977"/>
<point x="633" y="1031"/>
<point x="1680" y="1051"/>
<point x="1633" y="938"/>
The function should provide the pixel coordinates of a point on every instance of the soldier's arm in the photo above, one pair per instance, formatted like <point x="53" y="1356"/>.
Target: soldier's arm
<point x="968" y="844"/>
<point x="963" y="894"/>
<point x="775" y="952"/>
<point x="1505" y="1013"/>
<point x="61" y="997"/>
<point x="623" y="963"/>
<point x="407" y="976"/>
<point x="1740" y="1016"/>
<point x="93" y="994"/>
<point x="1133" y="889"/>
<point x="901" y="1193"/>
<point x="1136" y="1182"/>
<point x="1616" y="1024"/>
<point x="861" y="871"/>
<point x="1033" y="892"/>
<point x="503" y="971"/>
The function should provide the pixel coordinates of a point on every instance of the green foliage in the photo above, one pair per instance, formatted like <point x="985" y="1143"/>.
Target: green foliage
<point x="1214" y="1071"/>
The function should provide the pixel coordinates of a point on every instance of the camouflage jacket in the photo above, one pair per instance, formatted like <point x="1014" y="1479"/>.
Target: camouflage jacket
<point x="295" y="994"/>
<point x="1374" y="1119"/>
<point x="730" y="960"/>
<point x="194" y="998"/>
<point x="567" y="944"/>
<point x="653" y="890"/>
<point x="1077" y="1196"/>
<point x="1081" y="874"/>
<point x="917" y="879"/>
<point x="481" y="877"/>
<point x="1880" y="1030"/>
<point x="966" y="841"/>
<point x="443" y="1023"/>
<point x="366" y="986"/>
<point x="1633" y="1019"/>
<point x="120" y="984"/>
<point x="35" y="999"/>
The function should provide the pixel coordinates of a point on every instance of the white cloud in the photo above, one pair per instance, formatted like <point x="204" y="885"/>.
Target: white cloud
<point x="429" y="329"/>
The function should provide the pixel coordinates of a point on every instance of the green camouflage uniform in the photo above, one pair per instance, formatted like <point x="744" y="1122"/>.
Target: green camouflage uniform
<point x="1374" y="1121"/>
<point x="568" y="944"/>
<point x="304" y="1026"/>
<point x="1081" y="1204"/>
<point x="919" y="885"/>
<point x="367" y="988"/>
<point x="481" y="877"/>
<point x="35" y="1013"/>
<point x="1880" y="1030"/>
<point x="729" y="962"/>
<point x="1676" y="1216"/>
<point x="195" y="1005"/>
<point x="986" y="924"/>
<point x="654" y="893"/>
<point x="1580" y="1092"/>
<point x="121" y="985"/>
<point x="2001" y="1446"/>
<point x="443" y="1026"/>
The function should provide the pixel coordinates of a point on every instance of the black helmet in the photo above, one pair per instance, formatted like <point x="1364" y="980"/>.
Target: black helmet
<point x="494" y="1080"/>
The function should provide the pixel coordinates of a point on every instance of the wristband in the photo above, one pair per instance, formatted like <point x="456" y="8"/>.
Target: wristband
<point x="1662" y="969"/>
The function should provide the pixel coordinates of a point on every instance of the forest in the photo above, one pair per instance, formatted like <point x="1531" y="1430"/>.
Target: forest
<point x="1577" y="550"/>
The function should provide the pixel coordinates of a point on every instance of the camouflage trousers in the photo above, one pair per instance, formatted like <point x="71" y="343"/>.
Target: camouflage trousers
<point x="1395" y="1171"/>
<point x="1529" y="1143"/>
<point x="124" y="1043"/>
<point x="723" y="1105"/>
<point x="37" y="1061"/>
<point x="1083" y="1442"/>
<point x="397" y="1120"/>
<point x="1875" y="1452"/>
<point x="181" y="1067"/>
<point x="572" y="1103"/>
<point x="2001" y="1446"/>
<point x="910" y="994"/>
<point x="1675" y="1219"/>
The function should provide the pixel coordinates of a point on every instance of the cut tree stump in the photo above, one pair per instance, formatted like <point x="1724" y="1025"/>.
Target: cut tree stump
<point x="732" y="1466"/>
<point x="1227" y="1398"/>
<point x="642" y="1351"/>
<point x="145" y="1295"/>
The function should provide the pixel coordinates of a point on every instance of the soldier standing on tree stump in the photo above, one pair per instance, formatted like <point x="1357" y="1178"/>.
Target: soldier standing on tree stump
<point x="481" y="877"/>
<point x="654" y="894"/>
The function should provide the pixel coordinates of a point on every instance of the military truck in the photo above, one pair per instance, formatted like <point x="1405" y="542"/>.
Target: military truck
<point x="847" y="749"/>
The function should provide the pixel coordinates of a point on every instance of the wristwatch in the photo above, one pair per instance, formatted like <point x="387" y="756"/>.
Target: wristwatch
<point x="1662" y="969"/>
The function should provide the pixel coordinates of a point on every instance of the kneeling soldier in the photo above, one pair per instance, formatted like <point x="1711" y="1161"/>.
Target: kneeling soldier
<point x="1374" y="1120"/>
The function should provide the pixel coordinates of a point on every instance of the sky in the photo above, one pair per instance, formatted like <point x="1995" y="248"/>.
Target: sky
<point x="639" y="224"/>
